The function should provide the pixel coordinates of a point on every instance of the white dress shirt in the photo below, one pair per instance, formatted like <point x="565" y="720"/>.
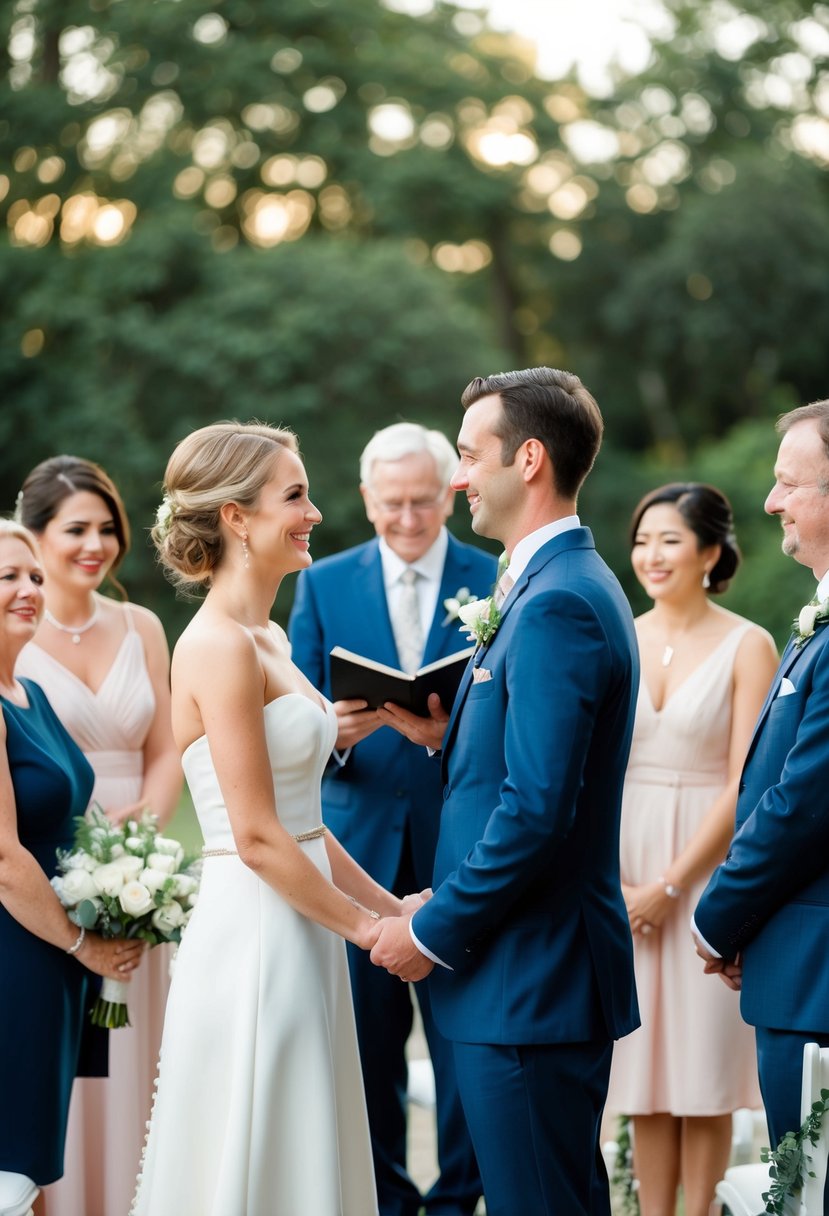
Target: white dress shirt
<point x="429" y="567"/>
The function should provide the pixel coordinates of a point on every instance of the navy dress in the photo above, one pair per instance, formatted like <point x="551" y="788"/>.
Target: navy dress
<point x="44" y="991"/>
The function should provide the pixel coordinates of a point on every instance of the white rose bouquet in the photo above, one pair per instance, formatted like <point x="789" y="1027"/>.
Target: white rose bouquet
<point x="125" y="880"/>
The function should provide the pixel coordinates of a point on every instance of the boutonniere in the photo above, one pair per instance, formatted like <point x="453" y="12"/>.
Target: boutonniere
<point x="455" y="602"/>
<point x="808" y="618"/>
<point x="480" y="620"/>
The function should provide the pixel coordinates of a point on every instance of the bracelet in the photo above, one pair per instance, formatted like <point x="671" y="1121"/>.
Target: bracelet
<point x="77" y="945"/>
<point x="374" y="915"/>
<point x="670" y="890"/>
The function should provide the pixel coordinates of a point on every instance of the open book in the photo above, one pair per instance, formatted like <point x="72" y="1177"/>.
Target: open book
<point x="353" y="675"/>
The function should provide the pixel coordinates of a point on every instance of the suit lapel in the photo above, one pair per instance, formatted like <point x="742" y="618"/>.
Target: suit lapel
<point x="573" y="538"/>
<point x="790" y="656"/>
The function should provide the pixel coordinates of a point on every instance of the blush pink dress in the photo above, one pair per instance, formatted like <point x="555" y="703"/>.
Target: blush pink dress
<point x="693" y="1054"/>
<point x="107" y="1119"/>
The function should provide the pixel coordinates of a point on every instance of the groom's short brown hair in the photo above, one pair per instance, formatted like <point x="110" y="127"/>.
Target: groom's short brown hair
<point x="549" y="405"/>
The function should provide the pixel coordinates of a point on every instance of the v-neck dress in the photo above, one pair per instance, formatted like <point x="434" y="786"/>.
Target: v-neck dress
<point x="108" y="1115"/>
<point x="692" y="1055"/>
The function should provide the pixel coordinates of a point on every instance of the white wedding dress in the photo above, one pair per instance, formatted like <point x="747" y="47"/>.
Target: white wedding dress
<point x="260" y="1108"/>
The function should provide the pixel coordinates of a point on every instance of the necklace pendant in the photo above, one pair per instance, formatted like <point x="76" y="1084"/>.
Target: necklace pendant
<point x="667" y="655"/>
<point x="76" y="639"/>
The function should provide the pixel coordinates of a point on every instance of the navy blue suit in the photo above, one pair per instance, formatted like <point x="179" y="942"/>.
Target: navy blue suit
<point x="528" y="909"/>
<point x="769" y="900"/>
<point x="384" y="806"/>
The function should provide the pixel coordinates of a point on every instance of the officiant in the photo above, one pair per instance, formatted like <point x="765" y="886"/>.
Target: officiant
<point x="387" y="600"/>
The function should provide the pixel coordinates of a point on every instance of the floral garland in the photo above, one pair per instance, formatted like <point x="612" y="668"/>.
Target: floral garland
<point x="788" y="1162"/>
<point x="623" y="1181"/>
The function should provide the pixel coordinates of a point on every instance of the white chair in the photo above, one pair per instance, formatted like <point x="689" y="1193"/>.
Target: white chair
<point x="741" y="1190"/>
<point x="17" y="1194"/>
<point x="421" y="1087"/>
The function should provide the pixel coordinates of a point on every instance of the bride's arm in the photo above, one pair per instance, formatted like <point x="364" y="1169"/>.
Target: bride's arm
<point x="219" y="668"/>
<point x="351" y="878"/>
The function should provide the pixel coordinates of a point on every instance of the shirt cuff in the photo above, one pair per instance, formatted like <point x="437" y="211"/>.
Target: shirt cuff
<point x="714" y="953"/>
<point x="428" y="953"/>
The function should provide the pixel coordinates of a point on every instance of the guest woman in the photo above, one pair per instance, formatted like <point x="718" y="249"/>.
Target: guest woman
<point x="705" y="673"/>
<point x="104" y="665"/>
<point x="44" y="783"/>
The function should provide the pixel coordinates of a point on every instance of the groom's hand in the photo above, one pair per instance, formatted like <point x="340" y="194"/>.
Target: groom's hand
<point x="395" y="950"/>
<point x="428" y="732"/>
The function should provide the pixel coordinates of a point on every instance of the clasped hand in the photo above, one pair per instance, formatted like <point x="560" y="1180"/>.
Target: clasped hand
<point x="730" y="971"/>
<point x="393" y="947"/>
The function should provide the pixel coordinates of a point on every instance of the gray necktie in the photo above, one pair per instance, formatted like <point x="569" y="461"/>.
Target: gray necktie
<point x="503" y="587"/>
<point x="406" y="623"/>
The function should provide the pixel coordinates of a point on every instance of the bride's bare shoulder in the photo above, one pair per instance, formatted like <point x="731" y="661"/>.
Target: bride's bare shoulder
<point x="211" y="640"/>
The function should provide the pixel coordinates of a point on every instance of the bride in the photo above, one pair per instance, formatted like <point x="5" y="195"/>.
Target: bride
<point x="260" y="1105"/>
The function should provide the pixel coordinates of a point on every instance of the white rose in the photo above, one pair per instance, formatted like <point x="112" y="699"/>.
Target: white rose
<point x="134" y="844"/>
<point x="168" y="918"/>
<point x="78" y="885"/>
<point x="164" y="844"/>
<point x="806" y="619"/>
<point x="135" y="899"/>
<point x="108" y="879"/>
<point x="116" y="850"/>
<point x="80" y="861"/>
<point x="129" y="866"/>
<point x="56" y="884"/>
<point x="193" y="899"/>
<point x="471" y="614"/>
<point x="153" y="879"/>
<point x="162" y="861"/>
<point x="183" y="885"/>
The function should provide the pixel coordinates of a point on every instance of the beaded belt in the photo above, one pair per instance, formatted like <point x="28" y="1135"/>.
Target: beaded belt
<point x="314" y="834"/>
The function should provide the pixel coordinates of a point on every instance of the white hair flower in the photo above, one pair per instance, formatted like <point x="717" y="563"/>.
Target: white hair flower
<point x="164" y="515"/>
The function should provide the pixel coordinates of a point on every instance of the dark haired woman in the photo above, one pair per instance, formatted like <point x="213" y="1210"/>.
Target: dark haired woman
<point x="705" y="673"/>
<point x="104" y="666"/>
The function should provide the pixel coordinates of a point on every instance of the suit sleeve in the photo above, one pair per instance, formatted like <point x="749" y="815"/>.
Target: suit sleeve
<point x="557" y="671"/>
<point x="306" y="634"/>
<point x="783" y="845"/>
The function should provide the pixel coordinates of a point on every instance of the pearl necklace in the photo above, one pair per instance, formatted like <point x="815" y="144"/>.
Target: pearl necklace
<point x="74" y="631"/>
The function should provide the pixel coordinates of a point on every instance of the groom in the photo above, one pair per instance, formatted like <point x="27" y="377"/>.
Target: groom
<point x="526" y="930"/>
<point x="763" y="920"/>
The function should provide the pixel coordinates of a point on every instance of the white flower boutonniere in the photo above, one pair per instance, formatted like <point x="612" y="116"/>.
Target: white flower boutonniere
<point x="480" y="620"/>
<point x="808" y="618"/>
<point x="455" y="602"/>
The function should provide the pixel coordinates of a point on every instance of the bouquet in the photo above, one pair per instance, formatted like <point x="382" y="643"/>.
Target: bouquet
<point x="125" y="880"/>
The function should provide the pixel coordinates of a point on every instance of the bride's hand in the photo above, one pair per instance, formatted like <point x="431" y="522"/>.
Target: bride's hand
<point x="120" y="814"/>
<point x="410" y="903"/>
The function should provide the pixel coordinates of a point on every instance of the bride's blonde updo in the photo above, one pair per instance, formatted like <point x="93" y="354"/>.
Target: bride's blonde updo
<point x="226" y="462"/>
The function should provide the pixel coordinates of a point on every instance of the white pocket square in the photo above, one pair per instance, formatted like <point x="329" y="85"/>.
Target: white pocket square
<point x="786" y="688"/>
<point x="481" y="674"/>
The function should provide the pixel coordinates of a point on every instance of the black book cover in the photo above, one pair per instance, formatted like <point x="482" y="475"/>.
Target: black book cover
<point x="353" y="675"/>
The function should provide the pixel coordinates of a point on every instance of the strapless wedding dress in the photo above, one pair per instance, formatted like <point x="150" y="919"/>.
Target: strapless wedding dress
<point x="260" y="1108"/>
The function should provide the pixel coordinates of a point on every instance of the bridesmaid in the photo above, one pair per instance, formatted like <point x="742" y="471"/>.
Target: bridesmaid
<point x="705" y="673"/>
<point x="44" y="783"/>
<point x="105" y="667"/>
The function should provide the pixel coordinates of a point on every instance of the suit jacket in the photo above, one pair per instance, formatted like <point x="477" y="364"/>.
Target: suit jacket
<point x="387" y="783"/>
<point x="770" y="897"/>
<point x="528" y="907"/>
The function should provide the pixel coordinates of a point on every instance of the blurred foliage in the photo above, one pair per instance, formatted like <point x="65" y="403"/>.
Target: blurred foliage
<point x="333" y="215"/>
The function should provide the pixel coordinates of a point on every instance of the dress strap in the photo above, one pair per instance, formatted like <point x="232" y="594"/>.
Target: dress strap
<point x="129" y="616"/>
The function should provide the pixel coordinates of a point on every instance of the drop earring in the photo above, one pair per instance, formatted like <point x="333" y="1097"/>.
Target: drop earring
<point x="246" y="551"/>
<point x="706" y="580"/>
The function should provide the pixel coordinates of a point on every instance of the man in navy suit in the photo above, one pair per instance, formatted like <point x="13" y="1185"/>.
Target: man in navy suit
<point x="526" y="930"/>
<point x="382" y="795"/>
<point x="764" y="916"/>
